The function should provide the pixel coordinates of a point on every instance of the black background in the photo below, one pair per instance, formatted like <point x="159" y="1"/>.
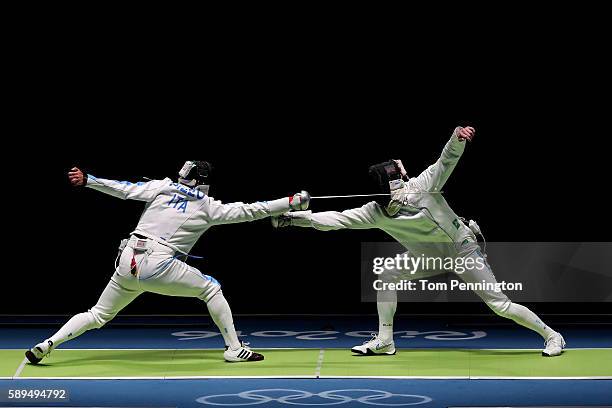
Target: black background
<point x="536" y="171"/>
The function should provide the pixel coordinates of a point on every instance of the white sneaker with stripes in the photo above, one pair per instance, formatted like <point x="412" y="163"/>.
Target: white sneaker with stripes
<point x="242" y="353"/>
<point x="39" y="351"/>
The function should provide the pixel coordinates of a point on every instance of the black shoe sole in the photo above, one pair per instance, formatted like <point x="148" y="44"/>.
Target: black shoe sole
<point x="32" y="358"/>
<point x="371" y="353"/>
<point x="256" y="357"/>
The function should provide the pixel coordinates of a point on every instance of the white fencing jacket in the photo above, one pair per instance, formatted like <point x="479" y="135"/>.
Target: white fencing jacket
<point x="425" y="221"/>
<point x="176" y="215"/>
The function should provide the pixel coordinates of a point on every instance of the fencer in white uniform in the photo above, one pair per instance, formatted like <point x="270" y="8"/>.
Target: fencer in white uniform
<point x="152" y="259"/>
<point x="416" y="214"/>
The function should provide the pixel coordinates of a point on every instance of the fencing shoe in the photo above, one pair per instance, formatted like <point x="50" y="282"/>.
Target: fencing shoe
<point x="554" y="345"/>
<point x="242" y="353"/>
<point x="375" y="346"/>
<point x="39" y="351"/>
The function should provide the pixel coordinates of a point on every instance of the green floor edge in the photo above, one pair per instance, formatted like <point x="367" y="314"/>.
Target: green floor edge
<point x="306" y="363"/>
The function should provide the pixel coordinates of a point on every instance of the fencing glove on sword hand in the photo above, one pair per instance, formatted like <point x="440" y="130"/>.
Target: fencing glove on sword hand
<point x="299" y="201"/>
<point x="281" y="221"/>
<point x="288" y="219"/>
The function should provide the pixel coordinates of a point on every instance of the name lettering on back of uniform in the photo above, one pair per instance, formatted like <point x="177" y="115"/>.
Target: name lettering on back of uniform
<point x="180" y="202"/>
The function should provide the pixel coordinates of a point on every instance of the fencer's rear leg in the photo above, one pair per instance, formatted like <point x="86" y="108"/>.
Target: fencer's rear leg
<point x="504" y="307"/>
<point x="113" y="299"/>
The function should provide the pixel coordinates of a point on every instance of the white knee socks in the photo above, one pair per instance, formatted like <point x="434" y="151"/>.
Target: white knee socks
<point x="217" y="306"/>
<point x="222" y="316"/>
<point x="386" y="305"/>
<point x="525" y="317"/>
<point x="73" y="328"/>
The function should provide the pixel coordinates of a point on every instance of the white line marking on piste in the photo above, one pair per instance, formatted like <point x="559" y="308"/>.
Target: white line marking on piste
<point x="355" y="377"/>
<point x="186" y="377"/>
<point x="441" y="377"/>
<point x="20" y="368"/>
<point x="320" y="363"/>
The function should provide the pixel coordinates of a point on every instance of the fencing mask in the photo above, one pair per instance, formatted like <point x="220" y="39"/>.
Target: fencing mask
<point x="195" y="173"/>
<point x="388" y="178"/>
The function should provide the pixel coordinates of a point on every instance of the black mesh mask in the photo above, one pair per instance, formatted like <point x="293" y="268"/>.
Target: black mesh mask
<point x="196" y="173"/>
<point x="381" y="174"/>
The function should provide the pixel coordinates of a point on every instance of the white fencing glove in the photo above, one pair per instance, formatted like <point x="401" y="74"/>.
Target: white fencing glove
<point x="281" y="221"/>
<point x="292" y="218"/>
<point x="299" y="201"/>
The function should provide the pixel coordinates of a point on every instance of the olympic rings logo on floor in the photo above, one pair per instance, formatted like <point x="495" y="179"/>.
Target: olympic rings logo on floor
<point x="302" y="397"/>
<point x="438" y="335"/>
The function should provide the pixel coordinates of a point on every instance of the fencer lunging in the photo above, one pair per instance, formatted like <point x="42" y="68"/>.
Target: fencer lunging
<point x="415" y="213"/>
<point x="152" y="258"/>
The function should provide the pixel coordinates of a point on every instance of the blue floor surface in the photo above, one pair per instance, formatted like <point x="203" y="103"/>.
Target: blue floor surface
<point x="310" y="332"/>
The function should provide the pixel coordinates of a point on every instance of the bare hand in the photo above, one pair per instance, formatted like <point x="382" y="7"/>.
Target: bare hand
<point x="76" y="177"/>
<point x="466" y="133"/>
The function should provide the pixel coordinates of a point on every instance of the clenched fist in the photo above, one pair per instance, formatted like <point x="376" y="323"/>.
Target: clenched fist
<point x="466" y="133"/>
<point x="76" y="177"/>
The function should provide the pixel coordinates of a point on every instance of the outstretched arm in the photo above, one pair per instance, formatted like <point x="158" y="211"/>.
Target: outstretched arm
<point x="434" y="178"/>
<point x="240" y="212"/>
<point x="357" y="218"/>
<point x="142" y="191"/>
